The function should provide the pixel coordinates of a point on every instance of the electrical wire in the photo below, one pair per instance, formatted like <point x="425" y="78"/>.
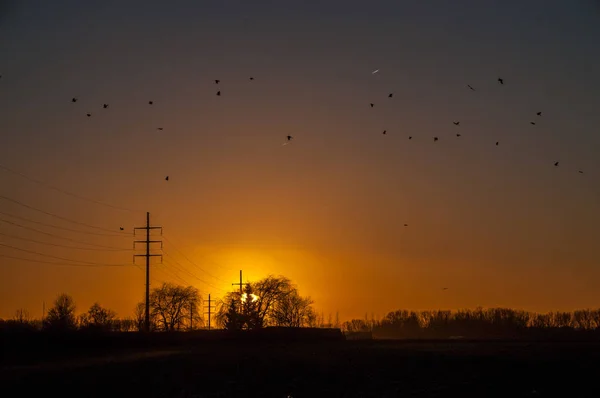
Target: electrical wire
<point x="60" y="264"/>
<point x="60" y="258"/>
<point x="191" y="262"/>
<point x="65" y="246"/>
<point x="57" y="227"/>
<point x="60" y="217"/>
<point x="57" y="236"/>
<point x="67" y="192"/>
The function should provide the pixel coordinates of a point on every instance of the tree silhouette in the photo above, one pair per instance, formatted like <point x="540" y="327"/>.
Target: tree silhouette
<point x="171" y="305"/>
<point x="61" y="317"/>
<point x="98" y="318"/>
<point x="293" y="310"/>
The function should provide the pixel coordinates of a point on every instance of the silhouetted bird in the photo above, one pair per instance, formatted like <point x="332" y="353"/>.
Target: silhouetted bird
<point x="539" y="113"/>
<point x="468" y="85"/>
<point x="410" y="137"/>
<point x="445" y="288"/>
<point x="289" y="137"/>
<point x="89" y="114"/>
<point x="251" y="78"/>
<point x="497" y="143"/>
<point x="160" y="128"/>
<point x="532" y="123"/>
<point x="167" y="178"/>
<point x="406" y="225"/>
<point x="556" y="163"/>
<point x="580" y="172"/>
<point x="121" y="228"/>
<point x="384" y="131"/>
<point x="217" y="81"/>
<point x="372" y="104"/>
<point x="105" y="106"/>
<point x="501" y="81"/>
<point x="74" y="99"/>
<point x="150" y="102"/>
<point x="435" y="139"/>
<point x="458" y="135"/>
<point x="218" y="93"/>
<point x="456" y="123"/>
<point x="390" y="95"/>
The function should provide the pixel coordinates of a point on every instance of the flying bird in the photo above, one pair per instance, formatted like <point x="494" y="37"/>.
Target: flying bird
<point x="458" y="134"/>
<point x="384" y="131"/>
<point x="472" y="89"/>
<point x="497" y="142"/>
<point x="218" y="93"/>
<point x="435" y="139"/>
<point x="289" y="137"/>
<point x="89" y="114"/>
<point x="167" y="178"/>
<point x="410" y="137"/>
<point x="406" y="225"/>
<point x="375" y="71"/>
<point x="121" y="228"/>
<point x="150" y="102"/>
<point x="390" y="95"/>
<point x="160" y="128"/>
<point x="456" y="123"/>
<point x="251" y="78"/>
<point x="372" y="104"/>
<point x="74" y="99"/>
<point x="445" y="288"/>
<point x="105" y="106"/>
<point x="539" y="113"/>
<point x="501" y="81"/>
<point x="556" y="163"/>
<point x="580" y="172"/>
<point x="217" y="81"/>
<point x="532" y="123"/>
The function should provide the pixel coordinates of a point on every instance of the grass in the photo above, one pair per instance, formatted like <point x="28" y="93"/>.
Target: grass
<point x="343" y="369"/>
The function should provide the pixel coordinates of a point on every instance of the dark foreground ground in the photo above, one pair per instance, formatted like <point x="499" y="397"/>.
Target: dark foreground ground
<point x="334" y="369"/>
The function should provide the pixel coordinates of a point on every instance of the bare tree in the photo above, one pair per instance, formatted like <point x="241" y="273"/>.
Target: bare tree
<point x="21" y="316"/>
<point x="98" y="318"/>
<point x="61" y="317"/>
<point x="292" y="310"/>
<point x="171" y="304"/>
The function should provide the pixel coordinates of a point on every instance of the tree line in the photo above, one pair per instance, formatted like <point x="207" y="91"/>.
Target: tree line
<point x="474" y="323"/>
<point x="272" y="301"/>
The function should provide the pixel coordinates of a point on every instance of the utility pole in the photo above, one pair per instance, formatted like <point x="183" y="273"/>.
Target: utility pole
<point x="209" y="309"/>
<point x="241" y="284"/>
<point x="147" y="255"/>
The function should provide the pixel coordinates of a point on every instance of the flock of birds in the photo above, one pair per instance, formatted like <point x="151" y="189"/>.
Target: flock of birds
<point x="289" y="138"/>
<point x="457" y="123"/>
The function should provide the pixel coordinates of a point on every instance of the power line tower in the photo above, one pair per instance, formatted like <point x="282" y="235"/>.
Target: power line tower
<point x="147" y="242"/>
<point x="209" y="309"/>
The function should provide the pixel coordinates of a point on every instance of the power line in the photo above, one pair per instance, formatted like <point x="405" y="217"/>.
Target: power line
<point x="60" y="217"/>
<point x="67" y="192"/>
<point x="191" y="262"/>
<point x="211" y="262"/>
<point x="56" y="236"/>
<point x="184" y="269"/>
<point x="59" y="258"/>
<point x="61" y="264"/>
<point x="57" y="227"/>
<point x="65" y="246"/>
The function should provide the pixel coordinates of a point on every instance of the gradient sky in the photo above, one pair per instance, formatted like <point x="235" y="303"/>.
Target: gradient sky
<point x="498" y="226"/>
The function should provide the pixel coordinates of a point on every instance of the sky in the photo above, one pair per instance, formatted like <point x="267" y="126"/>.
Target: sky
<point x="496" y="225"/>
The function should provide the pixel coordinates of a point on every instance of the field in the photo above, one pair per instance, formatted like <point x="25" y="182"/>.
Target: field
<point x="333" y="369"/>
